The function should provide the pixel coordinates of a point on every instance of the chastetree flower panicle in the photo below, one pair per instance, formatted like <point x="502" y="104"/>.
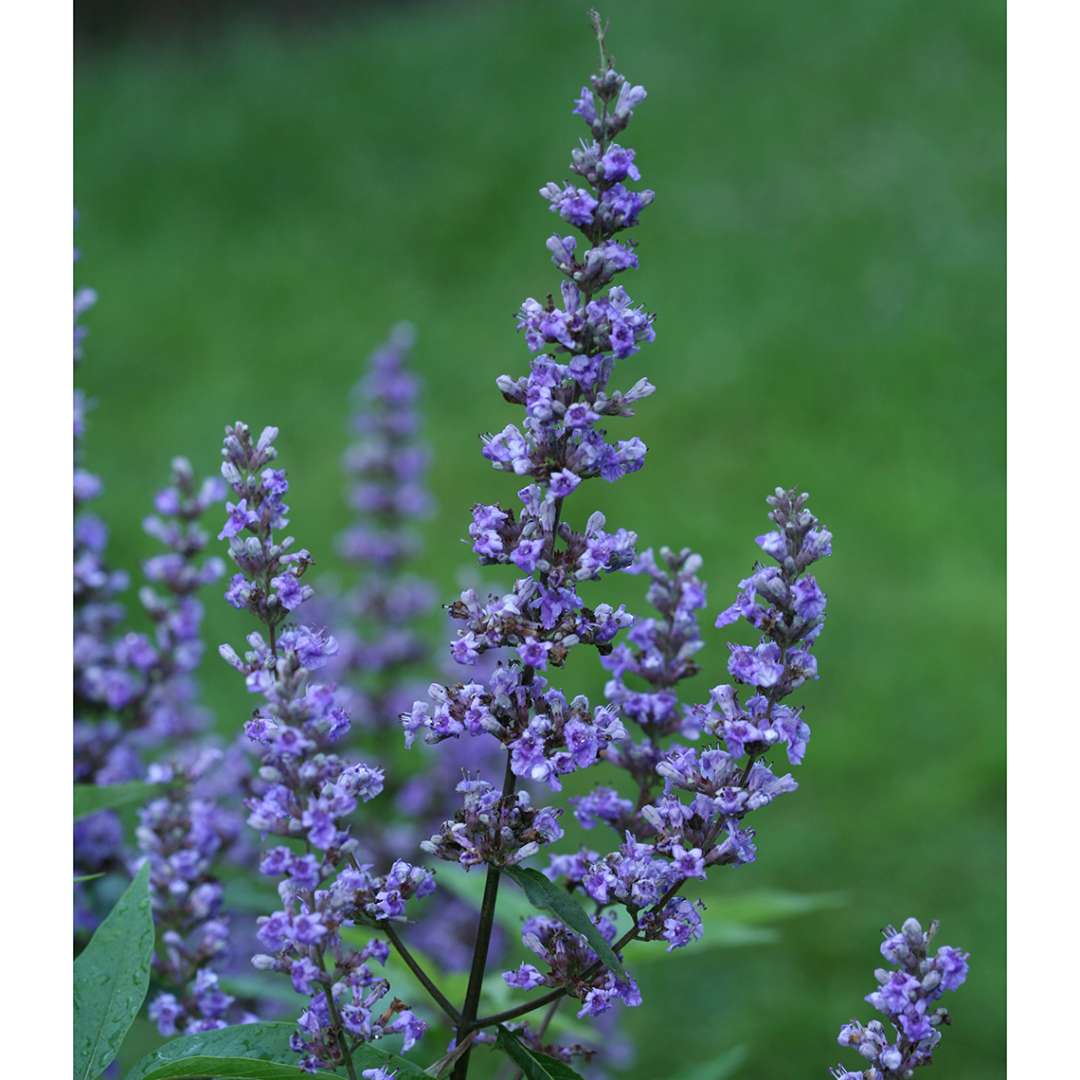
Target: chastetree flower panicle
<point x="133" y="692"/>
<point x="386" y="464"/>
<point x="690" y="804"/>
<point x="559" y="443"/>
<point x="308" y="791"/>
<point x="905" y="995"/>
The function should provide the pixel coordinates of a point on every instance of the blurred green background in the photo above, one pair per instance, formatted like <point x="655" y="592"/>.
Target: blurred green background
<point x="259" y="201"/>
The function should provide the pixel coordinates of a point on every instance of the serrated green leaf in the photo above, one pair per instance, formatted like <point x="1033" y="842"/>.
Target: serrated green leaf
<point x="90" y="798"/>
<point x="111" y="976"/>
<point x="251" y="1052"/>
<point x="549" y="897"/>
<point x="534" y="1065"/>
<point x="86" y="877"/>
<point x="721" y="1067"/>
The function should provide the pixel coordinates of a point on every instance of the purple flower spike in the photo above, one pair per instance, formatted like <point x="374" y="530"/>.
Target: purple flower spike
<point x="306" y="791"/>
<point x="132" y="690"/>
<point x="906" y="997"/>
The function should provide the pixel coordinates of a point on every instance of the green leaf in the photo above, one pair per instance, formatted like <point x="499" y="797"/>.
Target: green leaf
<point x="721" y="1067"/>
<point x="86" y="877"/>
<point x="534" y="1065"/>
<point x="251" y="1051"/>
<point x="90" y="798"/>
<point x="549" y="897"/>
<point x="111" y="977"/>
<point x="258" y="1051"/>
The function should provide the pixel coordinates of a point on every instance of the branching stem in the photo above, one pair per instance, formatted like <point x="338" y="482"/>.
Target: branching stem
<point x="557" y="994"/>
<point x="414" y="966"/>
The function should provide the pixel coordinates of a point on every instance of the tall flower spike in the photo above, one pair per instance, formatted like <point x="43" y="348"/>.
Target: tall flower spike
<point x="558" y="444"/>
<point x="668" y="841"/>
<point x="169" y="708"/>
<point x="309" y="791"/>
<point x="386" y="464"/>
<point x="100" y="685"/>
<point x="144" y="682"/>
<point x="148" y="680"/>
<point x="132" y="691"/>
<point x="659" y="654"/>
<point x="905" y="995"/>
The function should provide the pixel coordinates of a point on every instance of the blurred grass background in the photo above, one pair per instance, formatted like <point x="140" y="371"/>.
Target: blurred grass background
<point x="260" y="201"/>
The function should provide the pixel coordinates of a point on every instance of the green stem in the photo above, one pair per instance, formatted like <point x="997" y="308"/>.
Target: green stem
<point x="425" y="980"/>
<point x="480" y="951"/>
<point x="338" y="1026"/>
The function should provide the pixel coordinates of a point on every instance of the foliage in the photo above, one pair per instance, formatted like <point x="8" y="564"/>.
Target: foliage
<point x="110" y="979"/>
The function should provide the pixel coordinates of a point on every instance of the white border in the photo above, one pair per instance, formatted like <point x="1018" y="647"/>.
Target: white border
<point x="1044" y="348"/>
<point x="35" y="438"/>
<point x="1044" y="523"/>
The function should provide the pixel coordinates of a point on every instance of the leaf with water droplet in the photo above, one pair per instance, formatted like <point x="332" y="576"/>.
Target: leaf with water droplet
<point x="250" y="1052"/>
<point x="111" y="977"/>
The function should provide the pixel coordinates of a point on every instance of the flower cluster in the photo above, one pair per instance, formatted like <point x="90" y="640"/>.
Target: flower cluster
<point x="144" y="682"/>
<point x="386" y="465"/>
<point x="905" y="995"/>
<point x="168" y="707"/>
<point x="491" y="828"/>
<point x="136" y="692"/>
<point x="572" y="965"/>
<point x="559" y="443"/>
<point x="660" y="651"/>
<point x="674" y="834"/>
<point x="546" y="736"/>
<point x="97" y="613"/>
<point x="181" y="834"/>
<point x="309" y="791"/>
<point x="732" y="779"/>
